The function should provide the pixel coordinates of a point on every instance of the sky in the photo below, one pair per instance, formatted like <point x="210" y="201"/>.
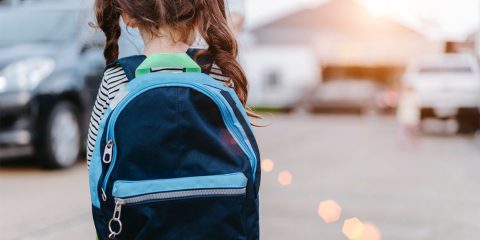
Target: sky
<point x="438" y="19"/>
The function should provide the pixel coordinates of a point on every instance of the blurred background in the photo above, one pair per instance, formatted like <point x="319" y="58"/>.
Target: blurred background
<point x="371" y="107"/>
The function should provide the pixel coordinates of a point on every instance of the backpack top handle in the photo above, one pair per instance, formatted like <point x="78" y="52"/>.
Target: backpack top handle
<point x="167" y="61"/>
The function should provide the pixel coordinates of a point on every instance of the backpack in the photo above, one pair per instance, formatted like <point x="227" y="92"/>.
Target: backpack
<point x="175" y="158"/>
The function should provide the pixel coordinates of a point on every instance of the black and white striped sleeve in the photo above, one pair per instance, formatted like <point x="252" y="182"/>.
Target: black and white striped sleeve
<point x="216" y="73"/>
<point x="113" y="79"/>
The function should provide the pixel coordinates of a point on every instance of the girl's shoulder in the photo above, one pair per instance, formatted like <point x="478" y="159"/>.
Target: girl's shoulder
<point x="118" y="74"/>
<point x="113" y="73"/>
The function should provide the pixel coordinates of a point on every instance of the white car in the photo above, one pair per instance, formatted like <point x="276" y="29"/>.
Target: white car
<point x="344" y="95"/>
<point x="447" y="86"/>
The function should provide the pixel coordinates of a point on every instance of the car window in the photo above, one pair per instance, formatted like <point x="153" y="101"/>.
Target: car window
<point x="38" y="25"/>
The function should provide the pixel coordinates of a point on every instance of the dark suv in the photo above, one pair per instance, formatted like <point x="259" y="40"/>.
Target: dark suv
<point x="50" y="68"/>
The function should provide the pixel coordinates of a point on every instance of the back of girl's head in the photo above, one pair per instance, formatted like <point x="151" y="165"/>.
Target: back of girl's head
<point x="181" y="18"/>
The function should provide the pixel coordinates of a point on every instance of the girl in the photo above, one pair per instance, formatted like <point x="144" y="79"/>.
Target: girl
<point x="188" y="168"/>
<point x="166" y="26"/>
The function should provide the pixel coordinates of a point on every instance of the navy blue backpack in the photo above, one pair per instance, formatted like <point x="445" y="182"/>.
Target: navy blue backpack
<point x="175" y="158"/>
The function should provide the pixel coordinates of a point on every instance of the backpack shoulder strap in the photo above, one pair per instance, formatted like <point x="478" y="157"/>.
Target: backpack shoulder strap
<point x="129" y="65"/>
<point x="205" y="61"/>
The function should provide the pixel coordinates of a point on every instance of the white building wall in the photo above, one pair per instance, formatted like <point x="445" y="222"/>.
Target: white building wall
<point x="280" y="76"/>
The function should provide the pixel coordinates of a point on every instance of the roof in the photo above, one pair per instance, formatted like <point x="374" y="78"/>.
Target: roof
<point x="339" y="16"/>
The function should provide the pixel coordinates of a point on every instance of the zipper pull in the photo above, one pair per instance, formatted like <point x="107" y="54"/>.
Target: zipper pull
<point x="116" y="219"/>
<point x="104" y="195"/>
<point x="107" y="153"/>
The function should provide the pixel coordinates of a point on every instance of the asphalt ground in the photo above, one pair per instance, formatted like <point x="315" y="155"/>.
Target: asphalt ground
<point x="371" y="187"/>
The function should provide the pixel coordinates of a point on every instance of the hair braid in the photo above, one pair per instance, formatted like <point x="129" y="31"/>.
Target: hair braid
<point x="222" y="46"/>
<point x="108" y="20"/>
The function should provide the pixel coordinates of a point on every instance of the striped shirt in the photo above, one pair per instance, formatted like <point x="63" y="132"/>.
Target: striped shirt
<point x="113" y="80"/>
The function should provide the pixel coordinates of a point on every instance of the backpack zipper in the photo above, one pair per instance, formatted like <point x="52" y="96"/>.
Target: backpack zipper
<point x="107" y="153"/>
<point x="181" y="194"/>
<point x="228" y="119"/>
<point x="107" y="159"/>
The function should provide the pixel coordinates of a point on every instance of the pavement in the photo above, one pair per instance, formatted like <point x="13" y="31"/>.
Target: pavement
<point x="425" y="192"/>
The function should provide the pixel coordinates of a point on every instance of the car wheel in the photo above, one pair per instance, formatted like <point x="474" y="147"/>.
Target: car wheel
<point x="468" y="122"/>
<point x="62" y="140"/>
<point x="426" y="113"/>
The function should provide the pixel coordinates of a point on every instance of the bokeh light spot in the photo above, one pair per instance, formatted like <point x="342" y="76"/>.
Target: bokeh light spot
<point x="353" y="228"/>
<point x="370" y="232"/>
<point x="285" y="178"/>
<point x="267" y="165"/>
<point x="329" y="211"/>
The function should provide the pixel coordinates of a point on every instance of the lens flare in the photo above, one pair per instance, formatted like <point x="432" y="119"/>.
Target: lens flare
<point x="370" y="232"/>
<point x="353" y="228"/>
<point x="329" y="211"/>
<point x="285" y="178"/>
<point x="267" y="165"/>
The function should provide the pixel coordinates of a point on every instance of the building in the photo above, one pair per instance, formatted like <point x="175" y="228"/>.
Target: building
<point x="346" y="37"/>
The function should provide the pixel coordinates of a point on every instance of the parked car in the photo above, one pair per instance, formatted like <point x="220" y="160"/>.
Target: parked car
<point x="447" y="86"/>
<point x="50" y="68"/>
<point x="344" y="95"/>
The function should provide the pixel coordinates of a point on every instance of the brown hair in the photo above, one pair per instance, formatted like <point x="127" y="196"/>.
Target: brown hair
<point x="181" y="17"/>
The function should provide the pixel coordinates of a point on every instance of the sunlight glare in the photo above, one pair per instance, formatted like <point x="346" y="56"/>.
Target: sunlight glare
<point x="377" y="7"/>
